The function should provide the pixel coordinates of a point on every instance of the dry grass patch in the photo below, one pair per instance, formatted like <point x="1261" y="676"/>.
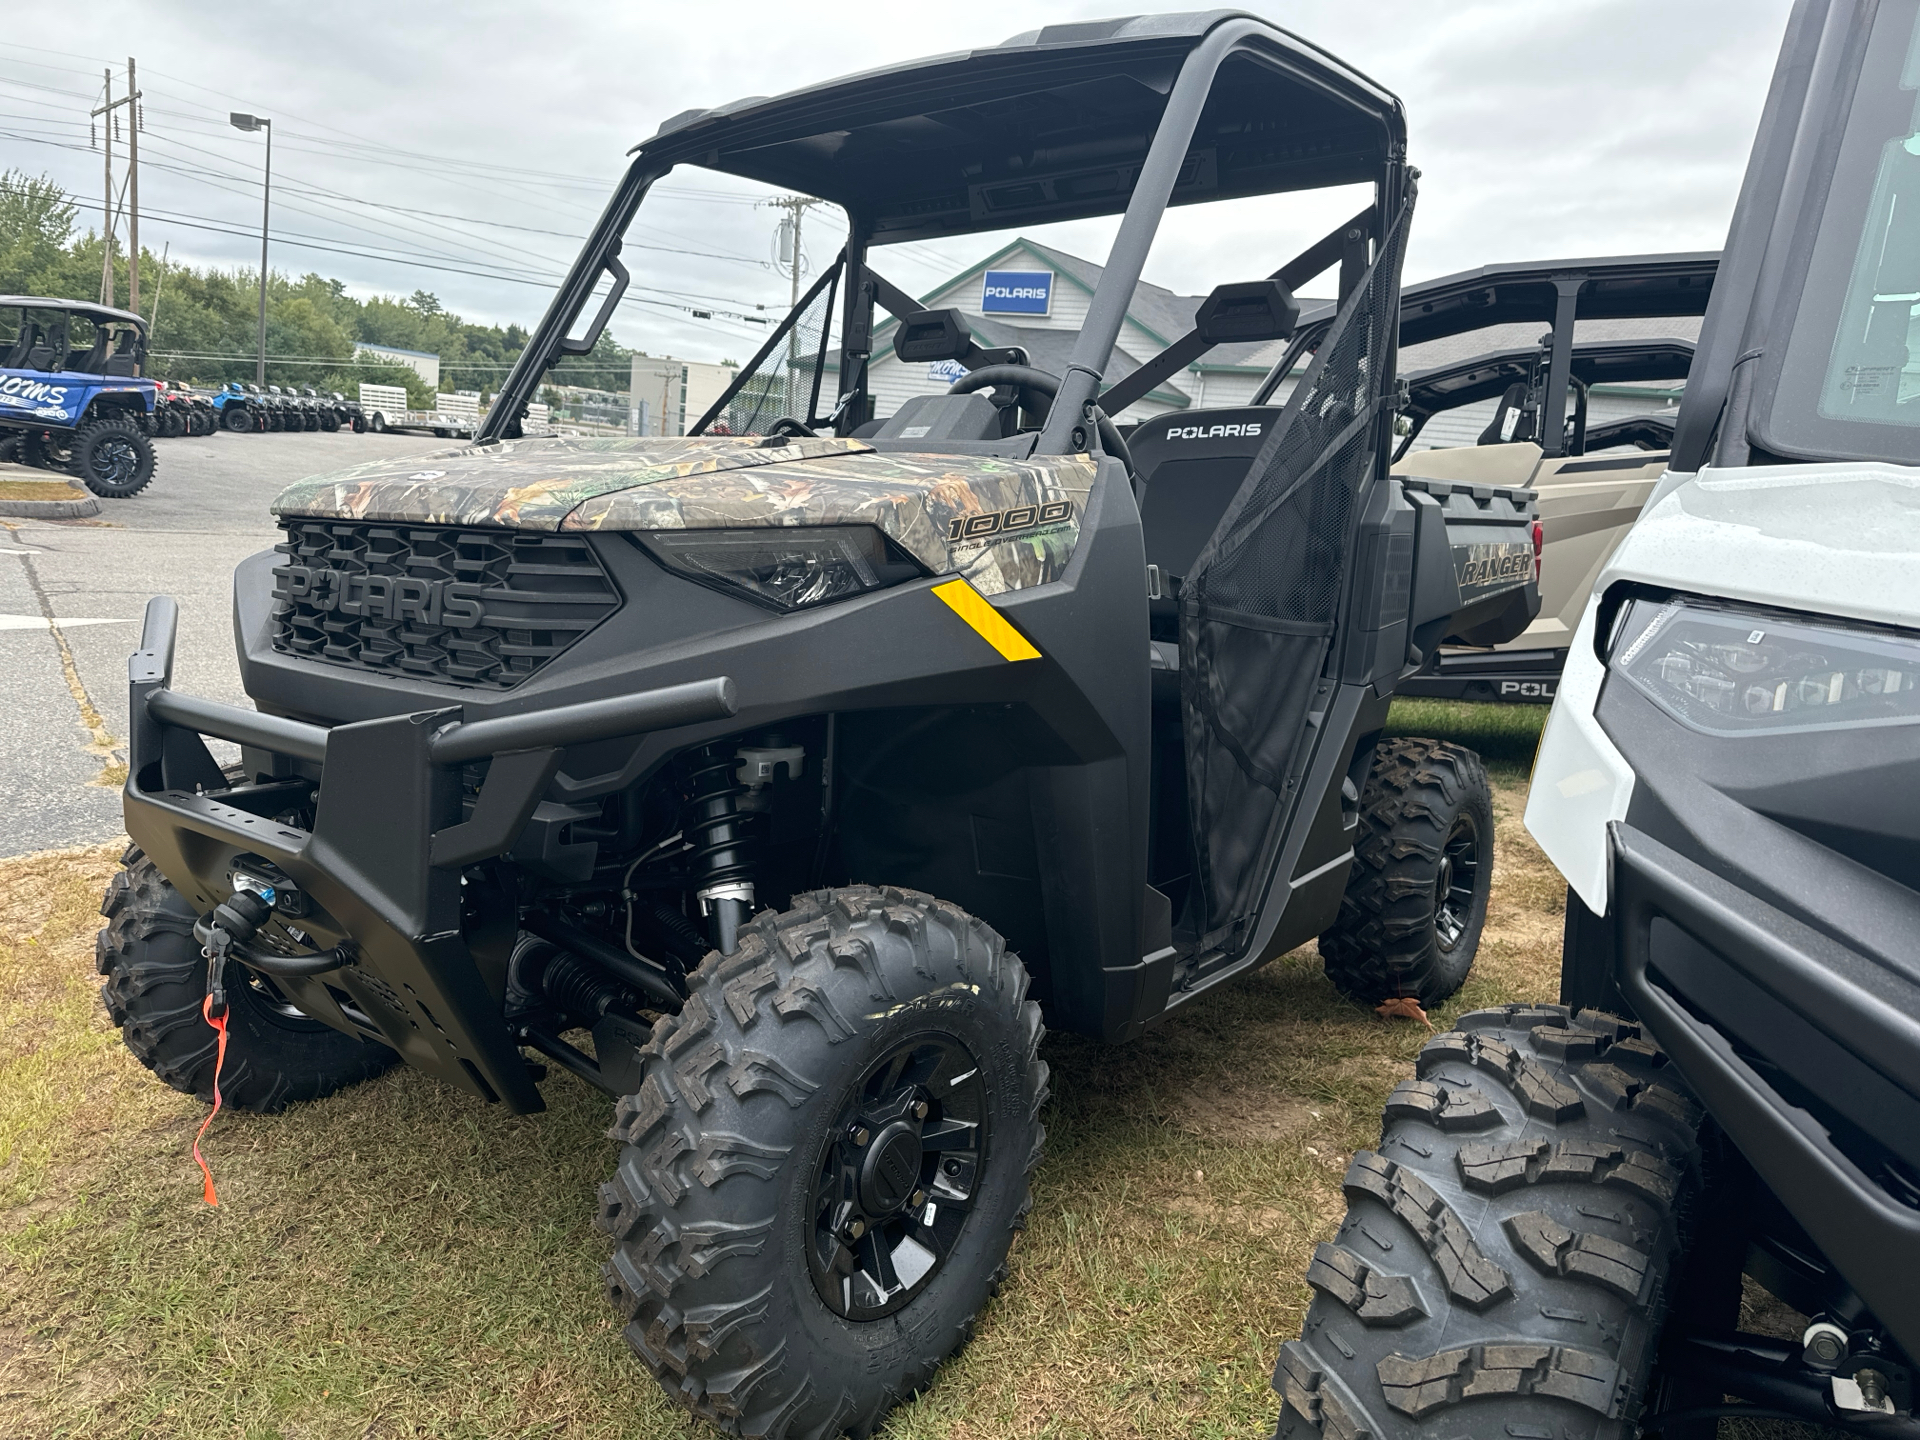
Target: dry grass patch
<point x="39" y="490"/>
<point x="403" y="1261"/>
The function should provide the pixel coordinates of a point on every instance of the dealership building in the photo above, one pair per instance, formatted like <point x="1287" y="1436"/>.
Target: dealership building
<point x="1035" y="296"/>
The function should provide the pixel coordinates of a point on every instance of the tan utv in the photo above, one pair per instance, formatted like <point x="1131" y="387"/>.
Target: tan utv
<point x="1556" y="427"/>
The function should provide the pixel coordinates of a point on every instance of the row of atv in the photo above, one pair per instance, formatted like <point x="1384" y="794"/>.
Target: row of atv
<point x="248" y="408"/>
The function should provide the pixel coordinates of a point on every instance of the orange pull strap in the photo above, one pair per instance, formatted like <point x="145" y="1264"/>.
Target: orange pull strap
<point x="219" y="1023"/>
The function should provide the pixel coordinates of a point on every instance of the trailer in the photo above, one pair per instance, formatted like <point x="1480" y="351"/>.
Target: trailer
<point x="453" y="416"/>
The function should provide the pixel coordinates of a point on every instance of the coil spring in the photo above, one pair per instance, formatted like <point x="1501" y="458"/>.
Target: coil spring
<point x="714" y="824"/>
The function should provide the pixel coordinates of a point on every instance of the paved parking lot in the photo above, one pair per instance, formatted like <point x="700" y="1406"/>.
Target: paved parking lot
<point x="71" y="597"/>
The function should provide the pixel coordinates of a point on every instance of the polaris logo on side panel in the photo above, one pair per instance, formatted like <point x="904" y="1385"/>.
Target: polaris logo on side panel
<point x="1214" y="432"/>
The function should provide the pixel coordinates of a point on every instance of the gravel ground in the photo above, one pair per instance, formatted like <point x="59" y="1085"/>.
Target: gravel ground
<point x="71" y="597"/>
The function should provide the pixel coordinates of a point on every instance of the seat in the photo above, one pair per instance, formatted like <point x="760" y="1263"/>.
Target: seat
<point x="91" y="361"/>
<point x="1187" y="469"/>
<point x="43" y="353"/>
<point x="125" y="359"/>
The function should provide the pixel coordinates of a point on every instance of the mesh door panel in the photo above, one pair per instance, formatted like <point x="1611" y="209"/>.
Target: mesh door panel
<point x="1258" y="611"/>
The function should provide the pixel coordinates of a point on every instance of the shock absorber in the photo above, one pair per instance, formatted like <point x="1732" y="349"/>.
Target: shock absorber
<point x="718" y="831"/>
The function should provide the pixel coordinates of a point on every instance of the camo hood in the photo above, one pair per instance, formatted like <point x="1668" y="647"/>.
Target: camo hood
<point x="1003" y="524"/>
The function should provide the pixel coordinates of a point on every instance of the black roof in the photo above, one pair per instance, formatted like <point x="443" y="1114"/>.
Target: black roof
<point x="1613" y="287"/>
<point x="78" y="307"/>
<point x="1051" y="125"/>
<point x="1595" y="362"/>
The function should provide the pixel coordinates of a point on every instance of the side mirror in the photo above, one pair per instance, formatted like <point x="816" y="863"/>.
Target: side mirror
<point x="1247" y="310"/>
<point x="932" y="335"/>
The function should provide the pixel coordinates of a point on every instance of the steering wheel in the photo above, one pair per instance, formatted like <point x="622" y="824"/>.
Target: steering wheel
<point x="1025" y="377"/>
<point x="785" y="426"/>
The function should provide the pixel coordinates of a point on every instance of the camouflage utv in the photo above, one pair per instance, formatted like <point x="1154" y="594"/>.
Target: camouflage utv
<point x="779" y="779"/>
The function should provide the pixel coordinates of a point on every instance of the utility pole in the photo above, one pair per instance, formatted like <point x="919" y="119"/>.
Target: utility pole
<point x="133" y="191"/>
<point x="106" y="209"/>
<point x="153" y="323"/>
<point x="106" y="113"/>
<point x="260" y="122"/>
<point x="796" y="207"/>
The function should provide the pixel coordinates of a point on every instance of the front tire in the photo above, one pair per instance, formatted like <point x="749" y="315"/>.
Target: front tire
<point x="1416" y="900"/>
<point x="237" y="419"/>
<point x="113" y="457"/>
<point x="1504" y="1265"/>
<point x="825" y="1162"/>
<point x="156" y="978"/>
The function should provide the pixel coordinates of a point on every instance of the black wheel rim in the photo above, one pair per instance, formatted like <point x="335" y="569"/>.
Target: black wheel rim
<point x="900" y="1174"/>
<point x="1455" y="886"/>
<point x="114" y="461"/>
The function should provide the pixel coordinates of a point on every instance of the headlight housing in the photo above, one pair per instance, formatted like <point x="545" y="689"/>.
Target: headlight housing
<point x="786" y="567"/>
<point x="1734" y="671"/>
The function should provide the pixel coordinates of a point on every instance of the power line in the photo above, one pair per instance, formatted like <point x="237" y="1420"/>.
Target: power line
<point x="299" y="241"/>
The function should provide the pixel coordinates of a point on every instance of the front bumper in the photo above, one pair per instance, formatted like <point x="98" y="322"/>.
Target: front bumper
<point x="380" y="868"/>
<point x="1714" y="971"/>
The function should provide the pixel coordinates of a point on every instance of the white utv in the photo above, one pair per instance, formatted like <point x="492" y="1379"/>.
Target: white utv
<point x="1551" y="1238"/>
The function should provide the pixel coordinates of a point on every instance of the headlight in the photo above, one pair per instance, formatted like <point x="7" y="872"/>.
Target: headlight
<point x="788" y="568"/>
<point x="1736" y="671"/>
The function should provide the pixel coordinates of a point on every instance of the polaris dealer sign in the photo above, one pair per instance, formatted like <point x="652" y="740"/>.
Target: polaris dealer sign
<point x="1017" y="292"/>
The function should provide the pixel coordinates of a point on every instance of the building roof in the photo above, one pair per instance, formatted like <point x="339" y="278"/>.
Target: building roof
<point x="394" y="350"/>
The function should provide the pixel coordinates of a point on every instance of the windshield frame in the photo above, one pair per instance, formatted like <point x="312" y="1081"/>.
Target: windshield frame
<point x="1791" y="376"/>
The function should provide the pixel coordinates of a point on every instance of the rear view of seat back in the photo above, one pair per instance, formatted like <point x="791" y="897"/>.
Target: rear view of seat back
<point x="1188" y="467"/>
<point x="125" y="359"/>
<point x="47" y="350"/>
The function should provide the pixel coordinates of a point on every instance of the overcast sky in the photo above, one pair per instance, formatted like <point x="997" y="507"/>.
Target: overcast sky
<point x="462" y="149"/>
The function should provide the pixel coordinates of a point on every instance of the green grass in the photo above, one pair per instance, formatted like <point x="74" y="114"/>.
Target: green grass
<point x="1505" y="736"/>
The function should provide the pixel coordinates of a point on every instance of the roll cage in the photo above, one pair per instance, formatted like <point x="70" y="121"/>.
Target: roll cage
<point x="1110" y="117"/>
<point x="43" y="331"/>
<point x="1519" y="377"/>
<point x="1554" y="293"/>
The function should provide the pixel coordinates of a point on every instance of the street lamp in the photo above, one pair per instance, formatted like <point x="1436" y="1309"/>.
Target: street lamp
<point x="260" y="122"/>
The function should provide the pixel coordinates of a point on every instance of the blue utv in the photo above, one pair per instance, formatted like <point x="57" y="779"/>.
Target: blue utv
<point x="71" y="396"/>
<point x="238" y="410"/>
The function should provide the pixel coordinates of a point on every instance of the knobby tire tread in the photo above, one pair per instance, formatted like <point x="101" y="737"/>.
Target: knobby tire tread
<point x="1503" y="1265"/>
<point x="720" y="1132"/>
<point x="1383" y="944"/>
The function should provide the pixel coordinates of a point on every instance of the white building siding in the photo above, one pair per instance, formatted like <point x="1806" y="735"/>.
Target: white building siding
<point x="668" y="395"/>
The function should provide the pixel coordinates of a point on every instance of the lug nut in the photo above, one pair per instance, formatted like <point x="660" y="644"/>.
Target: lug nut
<point x="920" y="1110"/>
<point x="952" y="1167"/>
<point x="857" y="1229"/>
<point x="860" y="1136"/>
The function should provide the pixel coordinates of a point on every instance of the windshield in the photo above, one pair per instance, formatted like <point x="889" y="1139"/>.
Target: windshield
<point x="1850" y="382"/>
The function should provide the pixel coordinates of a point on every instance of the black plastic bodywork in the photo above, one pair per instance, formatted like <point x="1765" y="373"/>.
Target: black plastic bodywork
<point x="1764" y="925"/>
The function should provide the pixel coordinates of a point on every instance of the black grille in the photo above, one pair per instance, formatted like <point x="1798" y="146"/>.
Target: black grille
<point x="458" y="606"/>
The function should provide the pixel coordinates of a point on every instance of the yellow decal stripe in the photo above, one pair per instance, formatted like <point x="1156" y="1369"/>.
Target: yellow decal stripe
<point x="993" y="627"/>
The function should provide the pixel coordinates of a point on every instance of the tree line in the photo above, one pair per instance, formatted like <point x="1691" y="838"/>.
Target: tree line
<point x="204" y="322"/>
